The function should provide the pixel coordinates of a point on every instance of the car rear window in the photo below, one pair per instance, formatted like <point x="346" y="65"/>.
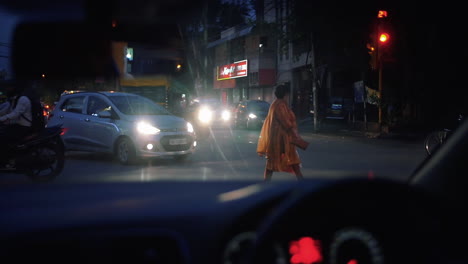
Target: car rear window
<point x="259" y="106"/>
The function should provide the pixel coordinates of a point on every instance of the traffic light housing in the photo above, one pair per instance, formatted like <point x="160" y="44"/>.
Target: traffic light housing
<point x="384" y="32"/>
<point x="383" y="38"/>
<point x="385" y="43"/>
<point x="372" y="51"/>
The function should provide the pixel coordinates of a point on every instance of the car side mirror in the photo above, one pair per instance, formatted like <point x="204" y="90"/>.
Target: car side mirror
<point x="105" y="114"/>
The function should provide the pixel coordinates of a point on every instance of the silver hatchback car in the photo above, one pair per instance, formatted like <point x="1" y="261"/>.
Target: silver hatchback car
<point x="128" y="125"/>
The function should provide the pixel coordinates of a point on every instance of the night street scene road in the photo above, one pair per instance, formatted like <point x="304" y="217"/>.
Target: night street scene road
<point x="233" y="131"/>
<point x="229" y="154"/>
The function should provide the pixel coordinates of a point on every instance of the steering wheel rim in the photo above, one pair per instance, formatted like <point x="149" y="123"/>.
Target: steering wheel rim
<point x="369" y="230"/>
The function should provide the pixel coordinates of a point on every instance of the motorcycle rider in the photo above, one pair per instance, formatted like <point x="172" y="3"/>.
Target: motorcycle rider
<point x="15" y="118"/>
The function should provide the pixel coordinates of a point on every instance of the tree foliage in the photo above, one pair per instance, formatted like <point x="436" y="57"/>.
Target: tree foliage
<point x="205" y="25"/>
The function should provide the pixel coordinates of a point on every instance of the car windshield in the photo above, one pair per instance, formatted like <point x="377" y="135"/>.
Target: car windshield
<point x="133" y="105"/>
<point x="373" y="86"/>
<point x="259" y="106"/>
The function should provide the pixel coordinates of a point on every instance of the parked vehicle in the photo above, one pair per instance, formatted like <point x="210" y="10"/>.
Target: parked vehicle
<point x="40" y="156"/>
<point x="336" y="108"/>
<point x="128" y="125"/>
<point x="250" y="114"/>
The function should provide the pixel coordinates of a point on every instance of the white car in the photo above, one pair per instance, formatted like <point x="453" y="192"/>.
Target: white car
<point x="128" y="125"/>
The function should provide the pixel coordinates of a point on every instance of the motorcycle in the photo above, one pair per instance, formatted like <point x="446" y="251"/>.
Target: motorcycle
<point x="436" y="138"/>
<point x="40" y="156"/>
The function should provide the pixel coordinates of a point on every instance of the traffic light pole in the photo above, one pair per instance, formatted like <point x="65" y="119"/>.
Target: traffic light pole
<point x="314" y="83"/>
<point x="382" y="40"/>
<point x="380" y="91"/>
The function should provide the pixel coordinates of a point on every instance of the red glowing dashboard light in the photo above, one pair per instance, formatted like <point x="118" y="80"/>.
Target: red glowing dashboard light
<point x="306" y="250"/>
<point x="64" y="130"/>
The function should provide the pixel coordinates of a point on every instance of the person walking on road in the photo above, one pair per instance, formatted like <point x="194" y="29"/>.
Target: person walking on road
<point x="276" y="136"/>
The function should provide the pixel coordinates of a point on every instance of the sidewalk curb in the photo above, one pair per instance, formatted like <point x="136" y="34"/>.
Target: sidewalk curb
<point x="309" y="129"/>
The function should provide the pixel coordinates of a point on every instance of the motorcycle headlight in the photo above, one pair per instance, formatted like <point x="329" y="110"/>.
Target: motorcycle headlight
<point x="251" y="115"/>
<point x="189" y="128"/>
<point x="147" y="129"/>
<point x="226" y="115"/>
<point x="205" y="115"/>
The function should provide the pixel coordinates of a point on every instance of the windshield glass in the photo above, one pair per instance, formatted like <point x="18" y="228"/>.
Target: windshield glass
<point x="259" y="106"/>
<point x="214" y="103"/>
<point x="133" y="105"/>
<point x="373" y="86"/>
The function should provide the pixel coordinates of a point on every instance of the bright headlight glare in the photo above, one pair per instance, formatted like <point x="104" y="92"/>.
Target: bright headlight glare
<point x="190" y="128"/>
<point x="252" y="115"/>
<point x="205" y="115"/>
<point x="226" y="115"/>
<point x="146" y="128"/>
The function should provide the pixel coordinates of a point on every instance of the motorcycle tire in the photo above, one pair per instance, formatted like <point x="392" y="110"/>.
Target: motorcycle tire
<point x="53" y="160"/>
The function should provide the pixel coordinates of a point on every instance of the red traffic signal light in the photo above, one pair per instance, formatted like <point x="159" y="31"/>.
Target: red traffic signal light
<point x="383" y="38"/>
<point x="373" y="56"/>
<point x="370" y="49"/>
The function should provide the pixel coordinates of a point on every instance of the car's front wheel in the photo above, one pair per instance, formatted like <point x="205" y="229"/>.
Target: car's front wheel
<point x="125" y="151"/>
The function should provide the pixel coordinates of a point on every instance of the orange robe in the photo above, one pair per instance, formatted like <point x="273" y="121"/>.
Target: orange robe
<point x="275" y="138"/>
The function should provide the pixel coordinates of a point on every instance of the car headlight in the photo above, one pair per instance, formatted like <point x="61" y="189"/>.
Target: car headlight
<point x="226" y="115"/>
<point x="189" y="127"/>
<point x="205" y="115"/>
<point x="252" y="116"/>
<point x="147" y="129"/>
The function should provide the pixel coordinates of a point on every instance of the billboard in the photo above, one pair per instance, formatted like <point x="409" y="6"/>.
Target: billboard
<point x="233" y="70"/>
<point x="359" y="92"/>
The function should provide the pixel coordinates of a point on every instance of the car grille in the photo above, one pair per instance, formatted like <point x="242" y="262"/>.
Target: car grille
<point x="174" y="130"/>
<point x="168" y="147"/>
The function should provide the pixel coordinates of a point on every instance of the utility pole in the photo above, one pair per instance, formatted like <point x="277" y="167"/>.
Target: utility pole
<point x="380" y="87"/>
<point x="314" y="81"/>
<point x="205" y="48"/>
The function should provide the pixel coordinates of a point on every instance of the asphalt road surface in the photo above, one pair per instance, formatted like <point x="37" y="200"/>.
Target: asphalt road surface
<point x="230" y="154"/>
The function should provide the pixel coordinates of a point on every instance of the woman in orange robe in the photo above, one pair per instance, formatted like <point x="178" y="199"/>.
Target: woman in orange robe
<point x="278" y="130"/>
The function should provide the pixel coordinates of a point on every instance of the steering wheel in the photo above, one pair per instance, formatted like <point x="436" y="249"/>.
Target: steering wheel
<point x="352" y="222"/>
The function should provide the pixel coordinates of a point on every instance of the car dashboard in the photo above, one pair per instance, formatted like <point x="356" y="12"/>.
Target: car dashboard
<point x="219" y="222"/>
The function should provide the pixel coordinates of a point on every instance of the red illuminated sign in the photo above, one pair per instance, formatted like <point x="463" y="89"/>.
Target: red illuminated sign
<point x="233" y="70"/>
<point x="382" y="14"/>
